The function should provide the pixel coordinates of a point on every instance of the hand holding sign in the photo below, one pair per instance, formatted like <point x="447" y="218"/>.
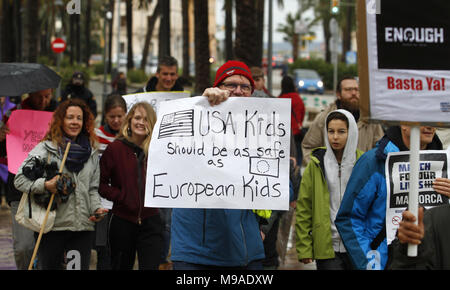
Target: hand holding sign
<point x="442" y="186"/>
<point x="409" y="231"/>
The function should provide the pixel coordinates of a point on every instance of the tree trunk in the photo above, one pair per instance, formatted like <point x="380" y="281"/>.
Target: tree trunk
<point x="78" y="37"/>
<point x="164" y="30"/>
<point x="148" y="37"/>
<point x="259" y="32"/>
<point x="72" y="38"/>
<point x="87" y="31"/>
<point x="202" y="65"/>
<point x="229" y="29"/>
<point x="244" y="45"/>
<point x="129" y="15"/>
<point x="110" y="37"/>
<point x="33" y="30"/>
<point x="186" y="59"/>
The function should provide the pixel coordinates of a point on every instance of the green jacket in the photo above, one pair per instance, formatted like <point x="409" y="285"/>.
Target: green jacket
<point x="313" y="225"/>
<point x="74" y="214"/>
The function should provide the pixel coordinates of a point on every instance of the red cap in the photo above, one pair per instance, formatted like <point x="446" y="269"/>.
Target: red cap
<point x="233" y="67"/>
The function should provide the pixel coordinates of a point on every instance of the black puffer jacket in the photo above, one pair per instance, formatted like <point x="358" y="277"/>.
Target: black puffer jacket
<point x="434" y="251"/>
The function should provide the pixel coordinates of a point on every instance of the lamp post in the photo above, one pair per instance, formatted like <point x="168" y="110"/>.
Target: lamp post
<point x="58" y="27"/>
<point x="108" y="17"/>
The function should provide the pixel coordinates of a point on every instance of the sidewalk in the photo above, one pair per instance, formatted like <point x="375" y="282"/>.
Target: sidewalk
<point x="7" y="256"/>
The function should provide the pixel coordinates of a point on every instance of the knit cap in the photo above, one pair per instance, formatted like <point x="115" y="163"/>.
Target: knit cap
<point x="233" y="67"/>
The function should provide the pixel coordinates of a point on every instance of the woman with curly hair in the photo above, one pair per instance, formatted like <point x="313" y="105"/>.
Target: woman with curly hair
<point x="133" y="228"/>
<point x="77" y="202"/>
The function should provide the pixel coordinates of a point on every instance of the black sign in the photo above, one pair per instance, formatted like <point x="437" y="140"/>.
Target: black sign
<point x="414" y="34"/>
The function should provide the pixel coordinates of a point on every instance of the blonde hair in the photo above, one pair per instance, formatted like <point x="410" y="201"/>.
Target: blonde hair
<point x="125" y="130"/>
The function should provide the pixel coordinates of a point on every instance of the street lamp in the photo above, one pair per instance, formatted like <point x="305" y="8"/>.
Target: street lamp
<point x="58" y="27"/>
<point x="108" y="17"/>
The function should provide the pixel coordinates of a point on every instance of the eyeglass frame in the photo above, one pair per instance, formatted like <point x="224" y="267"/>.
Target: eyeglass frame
<point x="242" y="86"/>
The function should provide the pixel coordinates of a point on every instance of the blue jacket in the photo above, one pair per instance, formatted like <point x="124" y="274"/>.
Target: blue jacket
<point x="361" y="216"/>
<point x="219" y="237"/>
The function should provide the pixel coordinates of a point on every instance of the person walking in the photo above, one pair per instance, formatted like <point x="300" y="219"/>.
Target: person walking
<point x="114" y="114"/>
<point x="321" y="191"/>
<point x="205" y="239"/>
<point x="23" y="238"/>
<point x="76" y="209"/>
<point x="430" y="234"/>
<point x="77" y="89"/>
<point x="5" y="108"/>
<point x="123" y="166"/>
<point x="289" y="91"/>
<point x="362" y="214"/>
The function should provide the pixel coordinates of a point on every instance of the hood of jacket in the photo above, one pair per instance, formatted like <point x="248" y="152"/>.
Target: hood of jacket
<point x="337" y="175"/>
<point x="334" y="170"/>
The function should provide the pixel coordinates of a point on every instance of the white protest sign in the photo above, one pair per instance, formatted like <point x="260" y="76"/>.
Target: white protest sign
<point x="404" y="64"/>
<point x="234" y="155"/>
<point x="153" y="98"/>
<point x="433" y="164"/>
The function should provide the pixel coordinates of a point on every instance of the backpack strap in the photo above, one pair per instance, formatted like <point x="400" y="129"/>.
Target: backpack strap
<point x="379" y="238"/>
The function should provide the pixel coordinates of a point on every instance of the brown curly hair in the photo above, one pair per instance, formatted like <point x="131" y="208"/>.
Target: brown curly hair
<point x="56" y="132"/>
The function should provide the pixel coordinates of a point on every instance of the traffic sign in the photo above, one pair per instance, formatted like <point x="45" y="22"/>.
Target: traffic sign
<point x="58" y="45"/>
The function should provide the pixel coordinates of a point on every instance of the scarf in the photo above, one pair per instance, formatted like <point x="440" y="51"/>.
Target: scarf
<point x="79" y="153"/>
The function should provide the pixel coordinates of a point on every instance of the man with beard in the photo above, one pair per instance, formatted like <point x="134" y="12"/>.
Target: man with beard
<point x="347" y="93"/>
<point x="76" y="89"/>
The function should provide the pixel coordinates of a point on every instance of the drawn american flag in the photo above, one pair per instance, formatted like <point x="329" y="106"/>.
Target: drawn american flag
<point x="178" y="124"/>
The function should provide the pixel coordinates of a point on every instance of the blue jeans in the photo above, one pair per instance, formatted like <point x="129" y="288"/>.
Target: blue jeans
<point x="179" y="265"/>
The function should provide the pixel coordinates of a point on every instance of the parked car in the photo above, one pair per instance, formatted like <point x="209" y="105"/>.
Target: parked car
<point x="308" y="81"/>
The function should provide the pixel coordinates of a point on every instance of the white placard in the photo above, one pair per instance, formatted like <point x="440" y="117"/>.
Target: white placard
<point x="409" y="76"/>
<point x="234" y="155"/>
<point x="153" y="98"/>
<point x="433" y="164"/>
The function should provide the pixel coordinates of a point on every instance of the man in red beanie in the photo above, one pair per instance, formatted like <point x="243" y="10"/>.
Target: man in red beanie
<point x="205" y="239"/>
<point x="232" y="79"/>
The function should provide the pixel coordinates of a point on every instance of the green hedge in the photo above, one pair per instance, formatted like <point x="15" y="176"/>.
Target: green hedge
<point x="325" y="70"/>
<point x="137" y="76"/>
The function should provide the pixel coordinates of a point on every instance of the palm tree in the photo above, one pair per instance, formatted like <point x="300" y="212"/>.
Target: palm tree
<point x="129" y="16"/>
<point x="228" y="7"/>
<point x="150" y="26"/>
<point x="32" y="35"/>
<point x="202" y="65"/>
<point x="244" y="44"/>
<point x="291" y="34"/>
<point x="185" y="17"/>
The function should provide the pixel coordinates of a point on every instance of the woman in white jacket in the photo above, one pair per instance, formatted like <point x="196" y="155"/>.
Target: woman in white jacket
<point x="76" y="209"/>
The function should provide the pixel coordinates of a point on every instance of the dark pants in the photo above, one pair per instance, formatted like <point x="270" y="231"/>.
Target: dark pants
<point x="126" y="238"/>
<point x="341" y="261"/>
<point x="178" y="265"/>
<point x="76" y="245"/>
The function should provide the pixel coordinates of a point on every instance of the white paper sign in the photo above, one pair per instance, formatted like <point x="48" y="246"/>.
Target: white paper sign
<point x="153" y="98"/>
<point x="433" y="164"/>
<point x="409" y="76"/>
<point x="234" y="155"/>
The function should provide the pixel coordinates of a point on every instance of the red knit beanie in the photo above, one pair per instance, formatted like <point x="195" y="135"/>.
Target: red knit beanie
<point x="233" y="67"/>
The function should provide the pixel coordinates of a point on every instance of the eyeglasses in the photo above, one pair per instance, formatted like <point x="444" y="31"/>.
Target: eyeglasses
<point x="233" y="86"/>
<point x="350" y="89"/>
